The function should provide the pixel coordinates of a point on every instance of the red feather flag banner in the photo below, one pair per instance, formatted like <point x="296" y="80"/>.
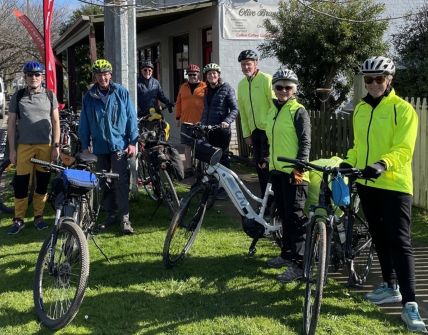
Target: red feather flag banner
<point x="49" y="56"/>
<point x="32" y="30"/>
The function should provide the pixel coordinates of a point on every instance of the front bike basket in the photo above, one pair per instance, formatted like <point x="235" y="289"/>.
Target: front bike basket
<point x="206" y="153"/>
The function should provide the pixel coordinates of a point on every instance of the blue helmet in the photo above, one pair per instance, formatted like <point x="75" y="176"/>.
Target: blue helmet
<point x="33" y="66"/>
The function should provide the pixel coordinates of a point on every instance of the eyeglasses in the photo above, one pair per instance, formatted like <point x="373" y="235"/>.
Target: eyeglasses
<point x="34" y="74"/>
<point x="147" y="70"/>
<point x="280" y="88"/>
<point x="379" y="80"/>
<point x="192" y="74"/>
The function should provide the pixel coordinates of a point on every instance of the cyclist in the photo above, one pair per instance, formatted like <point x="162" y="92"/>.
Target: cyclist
<point x="149" y="90"/>
<point x="255" y="100"/>
<point x="33" y="131"/>
<point x="220" y="108"/>
<point x="108" y="120"/>
<point x="385" y="130"/>
<point x="288" y="130"/>
<point x="189" y="107"/>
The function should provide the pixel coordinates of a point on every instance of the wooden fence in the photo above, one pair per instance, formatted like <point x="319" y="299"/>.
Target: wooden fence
<point x="332" y="135"/>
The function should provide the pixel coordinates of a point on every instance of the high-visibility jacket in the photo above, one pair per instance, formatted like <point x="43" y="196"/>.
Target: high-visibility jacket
<point x="285" y="137"/>
<point x="254" y="101"/>
<point x="388" y="133"/>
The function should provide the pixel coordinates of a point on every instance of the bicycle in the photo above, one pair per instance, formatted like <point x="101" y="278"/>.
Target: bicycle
<point x="156" y="169"/>
<point x="187" y="221"/>
<point x="332" y="240"/>
<point x="62" y="267"/>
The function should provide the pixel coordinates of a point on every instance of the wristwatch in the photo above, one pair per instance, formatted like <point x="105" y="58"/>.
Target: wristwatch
<point x="56" y="145"/>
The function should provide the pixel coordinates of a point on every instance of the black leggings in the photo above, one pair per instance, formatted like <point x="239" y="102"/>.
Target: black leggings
<point x="261" y="151"/>
<point x="388" y="214"/>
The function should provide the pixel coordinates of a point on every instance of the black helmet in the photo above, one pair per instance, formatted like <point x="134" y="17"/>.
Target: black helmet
<point x="248" y="54"/>
<point x="147" y="63"/>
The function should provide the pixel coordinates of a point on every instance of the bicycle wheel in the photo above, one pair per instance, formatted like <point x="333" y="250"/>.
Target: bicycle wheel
<point x="169" y="194"/>
<point x="145" y="181"/>
<point x="185" y="226"/>
<point x="61" y="276"/>
<point x="362" y="248"/>
<point x="315" y="266"/>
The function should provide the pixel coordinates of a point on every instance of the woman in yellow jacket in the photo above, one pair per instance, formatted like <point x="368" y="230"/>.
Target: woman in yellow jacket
<point x="288" y="130"/>
<point x="189" y="107"/>
<point x="385" y="128"/>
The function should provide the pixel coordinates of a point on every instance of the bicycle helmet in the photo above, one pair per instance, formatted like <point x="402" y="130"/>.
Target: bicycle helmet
<point x="147" y="63"/>
<point x="101" y="65"/>
<point x="284" y="74"/>
<point x="212" y="67"/>
<point x="248" y="54"/>
<point x="33" y="66"/>
<point x="193" y="68"/>
<point x="378" y="65"/>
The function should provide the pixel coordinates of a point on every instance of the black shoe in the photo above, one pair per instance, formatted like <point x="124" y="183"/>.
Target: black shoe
<point x="109" y="221"/>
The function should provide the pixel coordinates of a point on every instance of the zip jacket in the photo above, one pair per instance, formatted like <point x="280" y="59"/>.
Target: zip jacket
<point x="254" y="100"/>
<point x="148" y="92"/>
<point x="222" y="107"/>
<point x="189" y="106"/>
<point x="388" y="133"/>
<point x="289" y="133"/>
<point x="111" y="126"/>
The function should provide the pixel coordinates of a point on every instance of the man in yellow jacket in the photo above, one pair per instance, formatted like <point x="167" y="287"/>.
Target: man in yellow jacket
<point x="385" y="129"/>
<point x="254" y="101"/>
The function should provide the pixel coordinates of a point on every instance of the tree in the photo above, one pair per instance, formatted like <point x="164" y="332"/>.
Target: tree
<point x="16" y="45"/>
<point x="324" y="42"/>
<point x="87" y="9"/>
<point x="411" y="45"/>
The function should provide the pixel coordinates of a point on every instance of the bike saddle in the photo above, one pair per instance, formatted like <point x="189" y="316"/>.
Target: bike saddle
<point x="87" y="157"/>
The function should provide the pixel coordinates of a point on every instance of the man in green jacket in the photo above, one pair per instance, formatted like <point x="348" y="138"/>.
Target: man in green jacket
<point x="385" y="130"/>
<point x="254" y="101"/>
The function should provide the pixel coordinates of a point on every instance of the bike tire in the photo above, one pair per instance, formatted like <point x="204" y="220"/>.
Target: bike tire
<point x="362" y="248"/>
<point x="169" y="194"/>
<point x="57" y="298"/>
<point x="185" y="226"/>
<point x="314" y="276"/>
<point x="145" y="181"/>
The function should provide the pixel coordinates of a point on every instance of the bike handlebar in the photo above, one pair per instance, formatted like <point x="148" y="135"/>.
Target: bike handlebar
<point x="348" y="172"/>
<point x="58" y="168"/>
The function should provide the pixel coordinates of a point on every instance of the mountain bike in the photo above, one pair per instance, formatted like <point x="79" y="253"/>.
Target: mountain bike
<point x="187" y="221"/>
<point x="62" y="267"/>
<point x="330" y="239"/>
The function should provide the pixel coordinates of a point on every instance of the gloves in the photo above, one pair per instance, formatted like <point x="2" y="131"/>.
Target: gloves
<point x="374" y="171"/>
<point x="170" y="108"/>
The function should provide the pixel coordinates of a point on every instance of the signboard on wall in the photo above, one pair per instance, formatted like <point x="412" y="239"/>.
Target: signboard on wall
<point x="244" y="20"/>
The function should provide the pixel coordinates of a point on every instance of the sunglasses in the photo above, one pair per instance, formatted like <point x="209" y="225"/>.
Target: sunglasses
<point x="147" y="70"/>
<point x="192" y="74"/>
<point x="36" y="74"/>
<point x="378" y="80"/>
<point x="280" y="88"/>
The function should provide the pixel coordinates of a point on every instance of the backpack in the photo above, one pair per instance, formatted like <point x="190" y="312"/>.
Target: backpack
<point x="21" y="93"/>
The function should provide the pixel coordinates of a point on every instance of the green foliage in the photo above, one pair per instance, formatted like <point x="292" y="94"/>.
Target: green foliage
<point x="323" y="50"/>
<point x="411" y="44"/>
<point x="83" y="10"/>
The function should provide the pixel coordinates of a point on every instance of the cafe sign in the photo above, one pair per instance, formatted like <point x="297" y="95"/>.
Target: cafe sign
<point x="244" y="21"/>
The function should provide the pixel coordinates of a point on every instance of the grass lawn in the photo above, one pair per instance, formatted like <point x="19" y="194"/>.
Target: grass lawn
<point x="217" y="289"/>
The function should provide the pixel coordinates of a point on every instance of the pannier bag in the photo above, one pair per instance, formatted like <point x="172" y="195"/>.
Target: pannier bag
<point x="206" y="153"/>
<point x="176" y="162"/>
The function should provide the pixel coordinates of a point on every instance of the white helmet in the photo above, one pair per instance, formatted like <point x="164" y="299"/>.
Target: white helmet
<point x="285" y="74"/>
<point x="378" y="65"/>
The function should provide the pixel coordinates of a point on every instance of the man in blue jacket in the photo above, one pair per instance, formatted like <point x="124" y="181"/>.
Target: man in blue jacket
<point x="149" y="91"/>
<point x="108" y="122"/>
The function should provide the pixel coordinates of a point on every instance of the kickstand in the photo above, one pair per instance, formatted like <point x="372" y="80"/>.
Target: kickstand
<point x="252" y="249"/>
<point x="159" y="203"/>
<point x="99" y="248"/>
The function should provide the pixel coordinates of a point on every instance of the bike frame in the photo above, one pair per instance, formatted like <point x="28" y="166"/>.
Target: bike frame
<point x="238" y="193"/>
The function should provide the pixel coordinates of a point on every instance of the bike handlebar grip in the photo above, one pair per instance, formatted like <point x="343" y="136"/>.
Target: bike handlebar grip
<point x="287" y="160"/>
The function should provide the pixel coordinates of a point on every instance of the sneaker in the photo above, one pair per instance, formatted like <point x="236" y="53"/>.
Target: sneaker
<point x="410" y="316"/>
<point x="17" y="226"/>
<point x="278" y="262"/>
<point x="109" y="221"/>
<point x="127" y="228"/>
<point x="39" y="223"/>
<point x="384" y="294"/>
<point x="293" y="272"/>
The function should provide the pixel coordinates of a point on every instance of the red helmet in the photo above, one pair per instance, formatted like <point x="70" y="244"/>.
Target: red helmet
<point x="193" y="68"/>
